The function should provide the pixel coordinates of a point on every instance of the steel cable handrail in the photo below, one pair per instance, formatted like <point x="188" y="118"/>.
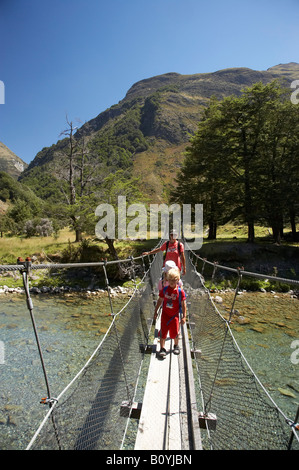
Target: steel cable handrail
<point x="114" y="316"/>
<point x="241" y="272"/>
<point x="20" y="267"/>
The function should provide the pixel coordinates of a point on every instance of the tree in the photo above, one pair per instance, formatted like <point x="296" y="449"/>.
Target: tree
<point x="81" y="166"/>
<point x="115" y="185"/>
<point x="262" y="110"/>
<point x="240" y="157"/>
<point x="40" y="226"/>
<point x="279" y="169"/>
<point x="7" y="224"/>
<point x="19" y="213"/>
<point x="291" y="166"/>
<point x="204" y="173"/>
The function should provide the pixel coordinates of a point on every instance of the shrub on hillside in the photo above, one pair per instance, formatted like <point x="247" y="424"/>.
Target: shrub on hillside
<point x="42" y="227"/>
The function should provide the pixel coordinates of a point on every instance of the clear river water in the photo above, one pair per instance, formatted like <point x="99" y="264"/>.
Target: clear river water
<point x="71" y="326"/>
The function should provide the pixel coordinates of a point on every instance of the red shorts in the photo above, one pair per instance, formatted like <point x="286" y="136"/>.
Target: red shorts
<point x="169" y="324"/>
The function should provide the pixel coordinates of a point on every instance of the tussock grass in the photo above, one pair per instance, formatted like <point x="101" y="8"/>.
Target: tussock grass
<point x="42" y="247"/>
<point x="13" y="247"/>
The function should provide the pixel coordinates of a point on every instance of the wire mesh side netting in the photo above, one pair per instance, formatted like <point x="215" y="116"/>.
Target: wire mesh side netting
<point x="87" y="417"/>
<point x="246" y="417"/>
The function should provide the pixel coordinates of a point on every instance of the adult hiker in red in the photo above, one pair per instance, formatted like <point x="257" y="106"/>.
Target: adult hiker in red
<point x="174" y="251"/>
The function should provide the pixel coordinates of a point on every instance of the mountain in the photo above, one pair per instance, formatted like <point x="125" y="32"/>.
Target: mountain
<point x="12" y="190"/>
<point x="289" y="71"/>
<point x="11" y="163"/>
<point x="146" y="133"/>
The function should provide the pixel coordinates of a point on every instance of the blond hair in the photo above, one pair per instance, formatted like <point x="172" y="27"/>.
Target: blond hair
<point x="173" y="274"/>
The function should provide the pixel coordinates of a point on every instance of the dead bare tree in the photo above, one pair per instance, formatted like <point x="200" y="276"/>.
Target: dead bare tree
<point x="79" y="174"/>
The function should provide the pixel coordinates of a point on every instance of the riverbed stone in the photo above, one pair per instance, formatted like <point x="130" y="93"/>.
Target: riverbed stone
<point x="258" y="329"/>
<point x="286" y="392"/>
<point x="242" y="320"/>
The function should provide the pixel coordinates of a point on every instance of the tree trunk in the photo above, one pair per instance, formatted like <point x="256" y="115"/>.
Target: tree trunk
<point x="293" y="225"/>
<point x="122" y="271"/>
<point x="212" y="230"/>
<point x="111" y="248"/>
<point x="277" y="227"/>
<point x="248" y="205"/>
<point x="276" y="234"/>
<point x="250" y="226"/>
<point x="78" y="235"/>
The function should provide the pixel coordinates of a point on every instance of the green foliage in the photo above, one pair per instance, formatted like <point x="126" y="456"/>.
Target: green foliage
<point x="242" y="163"/>
<point x="23" y="204"/>
<point x="153" y="123"/>
<point x="84" y="252"/>
<point x="116" y="144"/>
<point x="248" y="284"/>
<point x="45" y="184"/>
<point x="20" y="211"/>
<point x="121" y="184"/>
<point x="7" y="224"/>
<point x="12" y="190"/>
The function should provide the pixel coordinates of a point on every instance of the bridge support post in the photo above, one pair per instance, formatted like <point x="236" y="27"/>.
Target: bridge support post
<point x="208" y="420"/>
<point x="130" y="410"/>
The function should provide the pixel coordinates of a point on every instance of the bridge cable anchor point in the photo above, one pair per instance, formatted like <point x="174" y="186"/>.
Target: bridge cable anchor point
<point x="48" y="401"/>
<point x="207" y="419"/>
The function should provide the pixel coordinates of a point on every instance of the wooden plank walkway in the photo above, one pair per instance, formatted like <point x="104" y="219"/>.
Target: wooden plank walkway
<point x="169" y="418"/>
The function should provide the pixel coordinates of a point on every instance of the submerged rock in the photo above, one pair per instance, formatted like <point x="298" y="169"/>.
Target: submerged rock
<point x="286" y="392"/>
<point x="242" y="320"/>
<point x="258" y="329"/>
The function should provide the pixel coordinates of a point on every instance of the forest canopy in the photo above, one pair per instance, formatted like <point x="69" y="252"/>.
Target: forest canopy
<point x="242" y="164"/>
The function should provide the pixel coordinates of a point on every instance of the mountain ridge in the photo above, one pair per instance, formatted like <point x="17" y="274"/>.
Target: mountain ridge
<point x="10" y="162"/>
<point x="147" y="131"/>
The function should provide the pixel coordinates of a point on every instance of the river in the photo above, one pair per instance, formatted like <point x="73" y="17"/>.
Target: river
<point x="71" y="326"/>
<point x="266" y="328"/>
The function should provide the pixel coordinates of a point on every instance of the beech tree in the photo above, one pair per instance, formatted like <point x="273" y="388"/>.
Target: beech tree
<point x="204" y="173"/>
<point x="242" y="163"/>
<point x="278" y="170"/>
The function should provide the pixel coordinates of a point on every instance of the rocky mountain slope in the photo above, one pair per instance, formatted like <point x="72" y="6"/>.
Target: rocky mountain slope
<point x="146" y="133"/>
<point x="10" y="162"/>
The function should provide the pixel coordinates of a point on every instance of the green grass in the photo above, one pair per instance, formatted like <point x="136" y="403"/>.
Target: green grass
<point x="50" y="247"/>
<point x="60" y="249"/>
<point x="249" y="284"/>
<point x="238" y="233"/>
<point x="13" y="247"/>
<point x="64" y="249"/>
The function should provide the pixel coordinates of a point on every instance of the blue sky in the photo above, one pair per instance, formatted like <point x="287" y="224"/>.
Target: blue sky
<point x="79" y="57"/>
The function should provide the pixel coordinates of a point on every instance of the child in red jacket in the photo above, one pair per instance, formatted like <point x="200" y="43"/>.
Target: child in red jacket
<point x="172" y="297"/>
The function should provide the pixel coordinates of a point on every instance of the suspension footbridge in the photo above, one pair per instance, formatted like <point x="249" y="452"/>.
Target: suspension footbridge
<point x="125" y="397"/>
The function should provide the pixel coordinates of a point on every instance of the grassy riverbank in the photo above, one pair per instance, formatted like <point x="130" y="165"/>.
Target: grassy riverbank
<point x="60" y="248"/>
<point x="230" y="249"/>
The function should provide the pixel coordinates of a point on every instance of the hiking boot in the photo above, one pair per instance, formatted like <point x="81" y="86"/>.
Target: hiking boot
<point x="162" y="352"/>
<point x="176" y="349"/>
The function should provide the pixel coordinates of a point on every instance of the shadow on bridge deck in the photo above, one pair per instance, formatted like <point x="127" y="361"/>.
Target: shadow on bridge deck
<point x="169" y="417"/>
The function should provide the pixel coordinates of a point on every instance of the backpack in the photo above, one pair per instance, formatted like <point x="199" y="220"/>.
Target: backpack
<point x="165" y="252"/>
<point x="180" y="297"/>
